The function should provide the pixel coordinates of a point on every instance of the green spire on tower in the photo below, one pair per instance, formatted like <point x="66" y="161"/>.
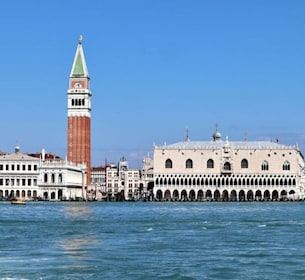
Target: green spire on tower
<point x="79" y="68"/>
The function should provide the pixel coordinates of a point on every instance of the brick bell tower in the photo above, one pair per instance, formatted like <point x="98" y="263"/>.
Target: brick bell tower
<point x="79" y="112"/>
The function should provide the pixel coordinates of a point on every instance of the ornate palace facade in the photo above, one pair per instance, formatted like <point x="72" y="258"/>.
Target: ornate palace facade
<point x="228" y="171"/>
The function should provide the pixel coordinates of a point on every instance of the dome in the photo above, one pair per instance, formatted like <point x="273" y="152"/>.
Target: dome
<point x="216" y="135"/>
<point x="17" y="149"/>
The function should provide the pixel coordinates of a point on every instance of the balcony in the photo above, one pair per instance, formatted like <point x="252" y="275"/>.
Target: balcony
<point x="226" y="169"/>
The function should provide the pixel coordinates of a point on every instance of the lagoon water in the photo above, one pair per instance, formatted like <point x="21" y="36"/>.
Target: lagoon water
<point x="100" y="240"/>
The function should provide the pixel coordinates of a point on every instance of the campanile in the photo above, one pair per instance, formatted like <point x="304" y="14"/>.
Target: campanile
<point x="79" y="112"/>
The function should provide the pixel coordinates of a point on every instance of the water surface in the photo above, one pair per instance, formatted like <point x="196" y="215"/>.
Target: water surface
<point x="100" y="240"/>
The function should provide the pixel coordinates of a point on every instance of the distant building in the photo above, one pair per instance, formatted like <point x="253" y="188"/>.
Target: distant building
<point x="114" y="182"/>
<point x="97" y="188"/>
<point x="228" y="170"/>
<point x="147" y="178"/>
<point x="122" y="183"/>
<point x="98" y="175"/>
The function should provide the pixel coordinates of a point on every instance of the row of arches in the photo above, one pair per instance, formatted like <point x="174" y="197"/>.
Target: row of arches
<point x="78" y="102"/>
<point x="225" y="195"/>
<point x="7" y="194"/>
<point x="52" y="178"/>
<point x="53" y="195"/>
<point x="30" y="194"/>
<point x="227" y="165"/>
<point x="218" y="182"/>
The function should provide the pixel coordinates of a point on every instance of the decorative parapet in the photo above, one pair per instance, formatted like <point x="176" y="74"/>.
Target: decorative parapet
<point x="62" y="163"/>
<point x="241" y="145"/>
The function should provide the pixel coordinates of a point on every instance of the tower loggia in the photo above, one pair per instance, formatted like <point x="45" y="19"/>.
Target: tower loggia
<point x="79" y="112"/>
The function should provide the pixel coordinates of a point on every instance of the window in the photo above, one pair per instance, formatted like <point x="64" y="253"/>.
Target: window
<point x="168" y="163"/>
<point x="227" y="166"/>
<point x="265" y="165"/>
<point x="29" y="167"/>
<point x="1" y="166"/>
<point x="35" y="167"/>
<point x="210" y="163"/>
<point x="189" y="163"/>
<point x="286" y="165"/>
<point x="244" y="163"/>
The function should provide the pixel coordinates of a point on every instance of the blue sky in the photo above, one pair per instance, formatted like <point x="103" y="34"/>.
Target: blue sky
<point x="157" y="67"/>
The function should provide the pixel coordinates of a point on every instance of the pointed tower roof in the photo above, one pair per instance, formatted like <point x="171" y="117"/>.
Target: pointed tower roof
<point x="79" y="67"/>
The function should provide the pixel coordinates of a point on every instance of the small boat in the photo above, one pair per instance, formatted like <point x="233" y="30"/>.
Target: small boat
<point x="18" y="202"/>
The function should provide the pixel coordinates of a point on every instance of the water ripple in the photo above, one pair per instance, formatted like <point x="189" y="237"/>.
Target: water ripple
<point x="152" y="241"/>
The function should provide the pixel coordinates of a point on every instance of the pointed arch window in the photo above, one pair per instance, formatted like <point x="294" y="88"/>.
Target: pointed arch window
<point x="168" y="163"/>
<point x="286" y="165"/>
<point x="210" y="163"/>
<point x="244" y="163"/>
<point x="265" y="165"/>
<point x="189" y="163"/>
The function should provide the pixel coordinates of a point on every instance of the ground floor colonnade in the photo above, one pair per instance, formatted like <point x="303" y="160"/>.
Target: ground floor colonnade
<point x="225" y="195"/>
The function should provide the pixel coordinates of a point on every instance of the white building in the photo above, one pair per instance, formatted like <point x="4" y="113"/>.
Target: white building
<point x="228" y="171"/>
<point x="61" y="180"/>
<point x="19" y="175"/>
<point x="97" y="189"/>
<point x="39" y="177"/>
<point x="122" y="183"/>
<point x="147" y="178"/>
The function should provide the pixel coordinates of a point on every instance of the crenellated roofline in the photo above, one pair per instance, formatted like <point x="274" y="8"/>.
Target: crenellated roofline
<point x="258" y="145"/>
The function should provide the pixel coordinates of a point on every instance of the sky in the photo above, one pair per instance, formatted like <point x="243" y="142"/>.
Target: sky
<point x="157" y="68"/>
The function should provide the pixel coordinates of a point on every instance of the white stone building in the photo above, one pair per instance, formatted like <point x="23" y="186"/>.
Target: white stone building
<point x="61" y="180"/>
<point x="19" y="175"/>
<point x="147" y="178"/>
<point x="38" y="177"/>
<point x="97" y="189"/>
<point x="122" y="182"/>
<point x="228" y="171"/>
